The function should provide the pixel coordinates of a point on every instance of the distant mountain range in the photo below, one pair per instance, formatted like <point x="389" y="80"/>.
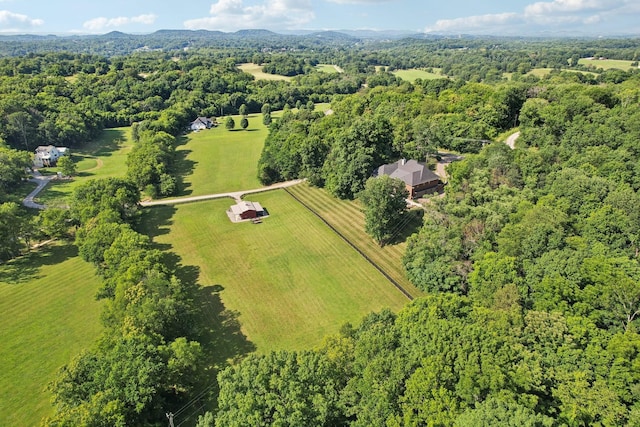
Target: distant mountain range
<point x="330" y="34"/>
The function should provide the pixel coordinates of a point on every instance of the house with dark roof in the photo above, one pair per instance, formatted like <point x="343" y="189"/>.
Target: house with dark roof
<point x="418" y="178"/>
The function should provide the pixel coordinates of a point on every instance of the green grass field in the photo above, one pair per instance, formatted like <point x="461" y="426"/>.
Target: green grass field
<point x="218" y="160"/>
<point x="347" y="217"/>
<point x="414" y="74"/>
<point x="606" y="64"/>
<point x="543" y="72"/>
<point x="103" y="158"/>
<point x="256" y="71"/>
<point x="327" y="68"/>
<point x="291" y="279"/>
<point x="49" y="315"/>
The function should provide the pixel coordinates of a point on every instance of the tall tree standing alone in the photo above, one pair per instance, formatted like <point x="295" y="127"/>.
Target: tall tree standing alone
<point x="384" y="200"/>
<point x="67" y="166"/>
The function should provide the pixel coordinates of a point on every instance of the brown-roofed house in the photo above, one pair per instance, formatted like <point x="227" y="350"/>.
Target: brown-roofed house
<point x="418" y="178"/>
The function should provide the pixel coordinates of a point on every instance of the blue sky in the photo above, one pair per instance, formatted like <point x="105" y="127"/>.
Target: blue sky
<point x="569" y="17"/>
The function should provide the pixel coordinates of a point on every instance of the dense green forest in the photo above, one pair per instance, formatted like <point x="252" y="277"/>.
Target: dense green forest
<point x="531" y="256"/>
<point x="529" y="260"/>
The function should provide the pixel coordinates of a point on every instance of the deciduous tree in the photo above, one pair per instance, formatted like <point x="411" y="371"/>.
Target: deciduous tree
<point x="384" y="200"/>
<point x="67" y="166"/>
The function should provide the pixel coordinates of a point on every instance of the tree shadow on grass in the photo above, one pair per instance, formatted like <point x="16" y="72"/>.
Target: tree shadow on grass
<point x="223" y="339"/>
<point x="52" y="195"/>
<point x="215" y="327"/>
<point x="27" y="268"/>
<point x="408" y="226"/>
<point x="106" y="144"/>
<point x="220" y="336"/>
<point x="156" y="221"/>
<point x="183" y="167"/>
<point x="220" y="333"/>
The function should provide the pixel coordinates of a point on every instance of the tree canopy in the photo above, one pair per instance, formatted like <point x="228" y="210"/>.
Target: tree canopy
<point x="384" y="200"/>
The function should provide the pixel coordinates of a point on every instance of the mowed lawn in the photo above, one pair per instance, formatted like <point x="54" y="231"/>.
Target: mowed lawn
<point x="256" y="71"/>
<point x="48" y="315"/>
<point x="219" y="160"/>
<point x="607" y="64"/>
<point x="104" y="157"/>
<point x="347" y="217"/>
<point x="291" y="279"/>
<point x="413" y="74"/>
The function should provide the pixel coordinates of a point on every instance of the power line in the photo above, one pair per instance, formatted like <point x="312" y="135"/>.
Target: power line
<point x="192" y="414"/>
<point x="194" y="399"/>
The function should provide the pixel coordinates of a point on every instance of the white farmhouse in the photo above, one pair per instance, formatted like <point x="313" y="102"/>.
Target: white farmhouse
<point x="48" y="155"/>
<point x="202" y="123"/>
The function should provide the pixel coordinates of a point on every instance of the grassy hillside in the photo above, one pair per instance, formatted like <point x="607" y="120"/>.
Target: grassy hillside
<point x="291" y="279"/>
<point x="49" y="315"/>
<point x="218" y="160"/>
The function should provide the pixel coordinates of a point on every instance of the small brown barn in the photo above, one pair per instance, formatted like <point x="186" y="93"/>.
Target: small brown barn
<point x="246" y="210"/>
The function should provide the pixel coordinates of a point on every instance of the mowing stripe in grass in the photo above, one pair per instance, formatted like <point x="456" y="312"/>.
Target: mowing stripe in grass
<point x="349" y="224"/>
<point x="384" y="273"/>
<point x="349" y="220"/>
<point x="49" y="315"/>
<point x="290" y="279"/>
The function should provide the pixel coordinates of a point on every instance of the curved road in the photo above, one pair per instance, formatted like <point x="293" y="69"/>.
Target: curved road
<point x="511" y="140"/>
<point x="236" y="195"/>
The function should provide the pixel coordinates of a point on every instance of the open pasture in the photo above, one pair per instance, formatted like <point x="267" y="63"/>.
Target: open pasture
<point x="543" y="72"/>
<point x="49" y="315"/>
<point x="606" y="64"/>
<point x="413" y="74"/>
<point x="256" y="71"/>
<point x="290" y="278"/>
<point x="218" y="160"/>
<point x="328" y="68"/>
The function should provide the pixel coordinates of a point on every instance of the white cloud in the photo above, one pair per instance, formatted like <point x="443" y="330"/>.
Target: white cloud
<point x="360" y="1"/>
<point x="148" y="19"/>
<point x="583" y="12"/>
<point x="475" y="22"/>
<point x="102" y="23"/>
<point x="570" y="6"/>
<point x="560" y="14"/>
<point x="10" y="21"/>
<point x="230" y="15"/>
